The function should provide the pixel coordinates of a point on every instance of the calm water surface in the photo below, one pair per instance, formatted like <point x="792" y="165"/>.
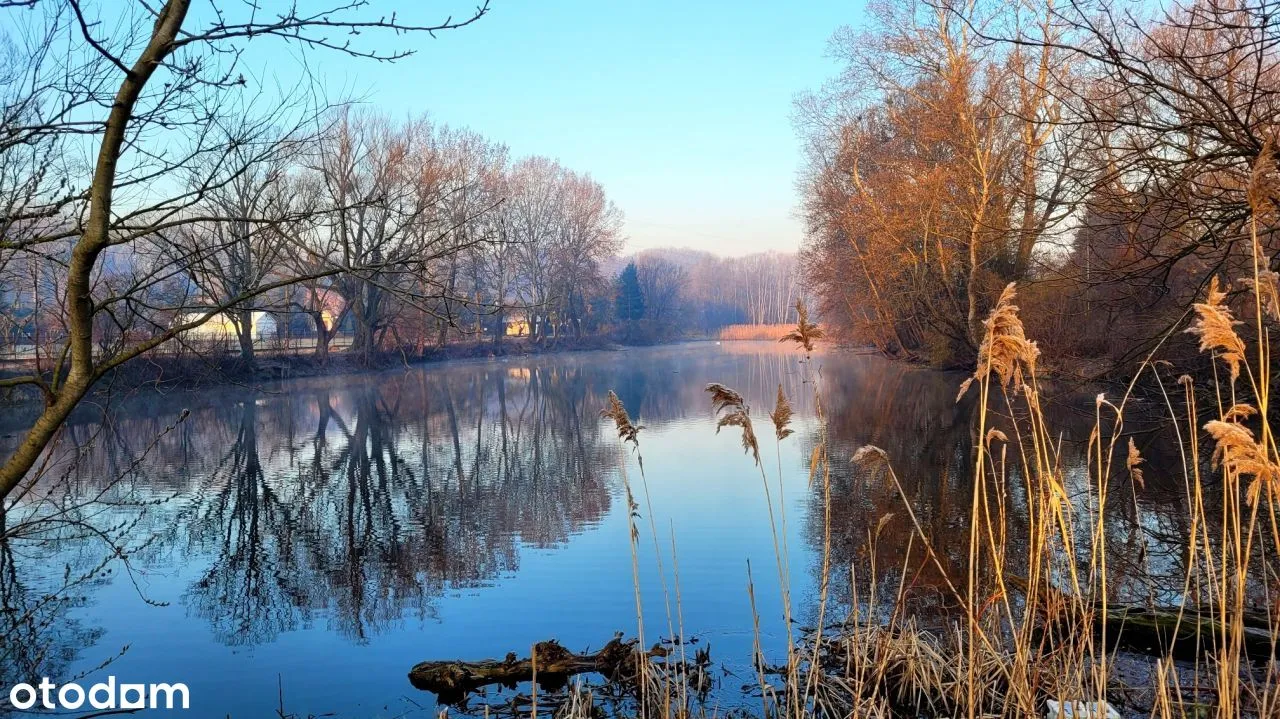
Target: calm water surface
<point x="322" y="539"/>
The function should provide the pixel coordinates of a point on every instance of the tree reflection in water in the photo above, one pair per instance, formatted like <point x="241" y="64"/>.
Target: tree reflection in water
<point x="913" y="415"/>
<point x="353" y="506"/>
<point x="361" y="505"/>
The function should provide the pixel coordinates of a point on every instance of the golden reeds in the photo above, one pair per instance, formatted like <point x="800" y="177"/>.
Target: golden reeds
<point x="771" y="333"/>
<point x="734" y="412"/>
<point x="1051" y="643"/>
<point x="1215" y="326"/>
<point x="781" y="416"/>
<point x="805" y="332"/>
<point x="1005" y="349"/>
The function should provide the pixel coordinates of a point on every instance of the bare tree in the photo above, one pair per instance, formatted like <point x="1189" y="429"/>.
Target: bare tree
<point x="474" y="186"/>
<point x="383" y="184"/>
<point x="588" y="231"/>
<point x="532" y="219"/>
<point x="141" y="99"/>
<point x="231" y="256"/>
<point x="662" y="283"/>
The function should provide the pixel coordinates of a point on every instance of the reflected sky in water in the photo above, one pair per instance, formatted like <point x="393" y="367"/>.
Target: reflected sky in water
<point x="324" y="537"/>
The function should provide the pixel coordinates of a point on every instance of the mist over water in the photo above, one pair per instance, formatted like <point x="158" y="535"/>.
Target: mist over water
<point x="320" y="539"/>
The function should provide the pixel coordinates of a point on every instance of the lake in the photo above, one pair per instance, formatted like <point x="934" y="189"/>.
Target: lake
<point x="316" y="541"/>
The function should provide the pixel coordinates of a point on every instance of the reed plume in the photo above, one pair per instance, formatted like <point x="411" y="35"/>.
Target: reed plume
<point x="1239" y="454"/>
<point x="1268" y="289"/>
<point x="805" y="332"/>
<point x="1005" y="348"/>
<point x="781" y="416"/>
<point x="1215" y="326"/>
<point x="870" y="456"/>
<point x="1132" y="461"/>
<point x="734" y="412"/>
<point x="615" y="411"/>
<point x="1264" y="182"/>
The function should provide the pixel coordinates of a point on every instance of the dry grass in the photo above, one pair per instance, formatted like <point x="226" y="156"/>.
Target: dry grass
<point x="805" y="333"/>
<point x="1046" y="632"/>
<point x="771" y="333"/>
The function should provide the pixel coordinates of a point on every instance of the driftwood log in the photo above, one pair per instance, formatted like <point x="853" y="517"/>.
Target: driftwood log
<point x="1181" y="632"/>
<point x="550" y="663"/>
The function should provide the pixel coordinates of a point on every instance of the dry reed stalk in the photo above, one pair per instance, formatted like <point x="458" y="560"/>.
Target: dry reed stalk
<point x="757" y="651"/>
<point x="1005" y="352"/>
<point x="629" y="432"/>
<point x="684" y="665"/>
<point x="1005" y="349"/>
<point x="1132" y="462"/>
<point x="615" y="411"/>
<point x="733" y="411"/>
<point x="819" y="458"/>
<point x="781" y="416"/>
<point x="1263" y="192"/>
<point x="1215" y="326"/>
<point x="805" y="333"/>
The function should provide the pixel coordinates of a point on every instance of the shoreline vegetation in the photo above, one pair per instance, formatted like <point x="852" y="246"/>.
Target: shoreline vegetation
<point x="1034" y="624"/>
<point x="1083" y="151"/>
<point x="189" y="372"/>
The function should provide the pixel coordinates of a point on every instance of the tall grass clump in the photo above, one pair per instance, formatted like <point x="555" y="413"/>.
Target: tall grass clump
<point x="1042" y="623"/>
<point x="663" y="691"/>
<point x="1038" y="622"/>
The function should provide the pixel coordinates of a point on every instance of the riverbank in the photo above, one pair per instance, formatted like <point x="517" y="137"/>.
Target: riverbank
<point x="195" y="371"/>
<point x="848" y="669"/>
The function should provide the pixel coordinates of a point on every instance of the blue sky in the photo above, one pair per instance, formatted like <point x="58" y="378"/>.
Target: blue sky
<point x="681" y="110"/>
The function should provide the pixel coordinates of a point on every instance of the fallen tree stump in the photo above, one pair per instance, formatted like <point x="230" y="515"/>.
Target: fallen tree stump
<point x="1181" y="632"/>
<point x="550" y="663"/>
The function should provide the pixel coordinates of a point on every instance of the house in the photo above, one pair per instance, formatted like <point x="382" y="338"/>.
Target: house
<point x="517" y="327"/>
<point x="222" y="328"/>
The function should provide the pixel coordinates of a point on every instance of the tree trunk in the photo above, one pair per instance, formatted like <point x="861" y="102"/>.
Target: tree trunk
<point x="323" y="336"/>
<point x="362" y="343"/>
<point x="93" y="240"/>
<point x="244" y="333"/>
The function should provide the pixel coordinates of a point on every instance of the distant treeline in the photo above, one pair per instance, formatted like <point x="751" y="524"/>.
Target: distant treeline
<point x="693" y="293"/>
<point x="1099" y="154"/>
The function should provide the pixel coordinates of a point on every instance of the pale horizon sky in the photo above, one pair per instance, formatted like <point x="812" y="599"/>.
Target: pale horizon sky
<point x="682" y="111"/>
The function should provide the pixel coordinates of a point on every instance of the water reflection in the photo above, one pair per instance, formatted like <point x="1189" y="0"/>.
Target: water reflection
<point x="930" y="439"/>
<point x="448" y="511"/>
<point x="38" y="635"/>
<point x="364" y="504"/>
